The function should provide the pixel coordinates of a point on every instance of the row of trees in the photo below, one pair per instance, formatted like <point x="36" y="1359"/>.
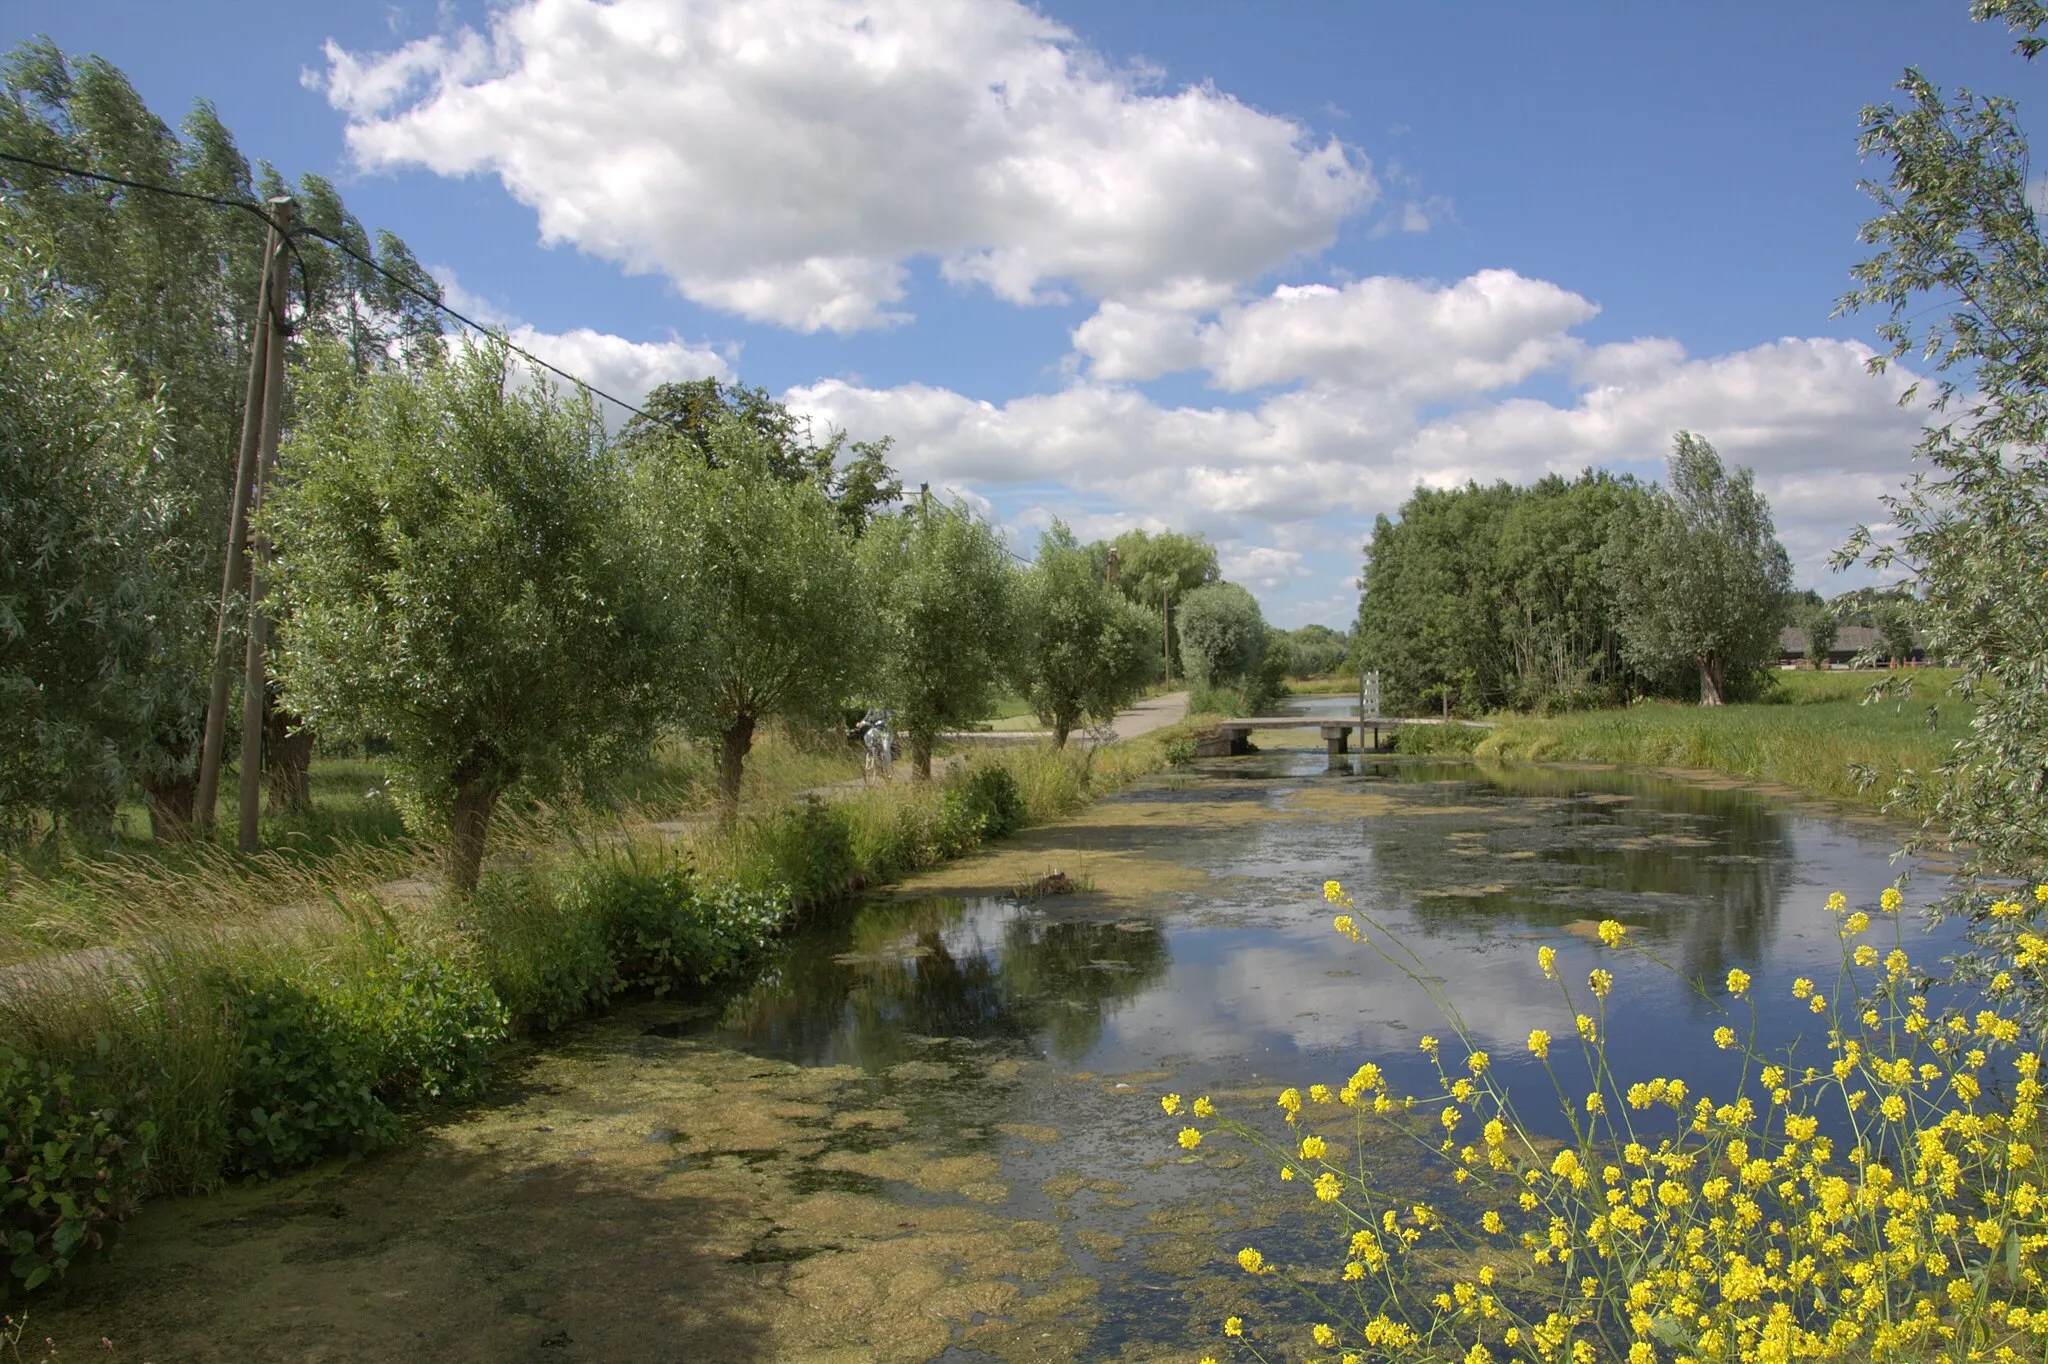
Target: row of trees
<point x="1573" y="593"/>
<point x="469" y="568"/>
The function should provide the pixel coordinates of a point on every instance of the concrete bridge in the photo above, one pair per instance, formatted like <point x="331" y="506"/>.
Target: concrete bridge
<point x="1234" y="736"/>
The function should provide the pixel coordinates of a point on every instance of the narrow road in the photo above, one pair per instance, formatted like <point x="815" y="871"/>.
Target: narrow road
<point x="1155" y="712"/>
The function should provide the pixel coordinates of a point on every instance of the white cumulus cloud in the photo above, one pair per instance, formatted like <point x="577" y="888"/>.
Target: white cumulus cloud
<point x="787" y="160"/>
<point x="1825" y="437"/>
<point x="1490" y="330"/>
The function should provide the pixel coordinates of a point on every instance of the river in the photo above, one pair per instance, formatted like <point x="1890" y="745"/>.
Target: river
<point x="933" y="1131"/>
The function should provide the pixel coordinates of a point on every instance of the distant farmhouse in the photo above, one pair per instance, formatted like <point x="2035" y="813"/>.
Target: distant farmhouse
<point x="1850" y="641"/>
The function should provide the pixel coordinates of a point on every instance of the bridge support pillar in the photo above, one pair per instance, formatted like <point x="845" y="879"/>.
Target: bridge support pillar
<point x="1337" y="740"/>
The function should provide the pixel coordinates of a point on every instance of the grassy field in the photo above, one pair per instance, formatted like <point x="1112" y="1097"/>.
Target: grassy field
<point x="1815" y="733"/>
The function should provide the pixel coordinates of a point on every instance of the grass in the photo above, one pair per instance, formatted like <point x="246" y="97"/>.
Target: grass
<point x="334" y="1021"/>
<point x="1813" y="733"/>
<point x="1331" y="685"/>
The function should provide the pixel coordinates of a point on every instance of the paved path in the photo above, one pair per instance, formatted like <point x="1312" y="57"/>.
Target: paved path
<point x="1154" y="712"/>
<point x="1148" y="715"/>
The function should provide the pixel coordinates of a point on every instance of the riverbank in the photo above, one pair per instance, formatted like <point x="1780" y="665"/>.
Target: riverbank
<point x="1817" y="736"/>
<point x="202" y="1052"/>
<point x="935" y="1129"/>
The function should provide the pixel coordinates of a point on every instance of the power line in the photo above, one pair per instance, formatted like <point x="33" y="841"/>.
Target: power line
<point x="432" y="300"/>
<point x="221" y="201"/>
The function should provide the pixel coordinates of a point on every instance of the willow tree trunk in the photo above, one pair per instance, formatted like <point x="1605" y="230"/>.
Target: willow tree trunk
<point x="733" y="746"/>
<point x="474" y="802"/>
<point x="921" y="756"/>
<point x="290" y="748"/>
<point x="171" y="801"/>
<point x="1061" y="726"/>
<point x="1713" y="678"/>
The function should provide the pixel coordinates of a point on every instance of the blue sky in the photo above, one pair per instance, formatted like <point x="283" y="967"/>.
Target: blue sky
<point x="1254" y="270"/>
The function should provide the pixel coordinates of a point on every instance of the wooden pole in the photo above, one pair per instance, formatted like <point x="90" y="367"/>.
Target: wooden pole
<point x="253" y="673"/>
<point x="1166" y="631"/>
<point x="235" y="572"/>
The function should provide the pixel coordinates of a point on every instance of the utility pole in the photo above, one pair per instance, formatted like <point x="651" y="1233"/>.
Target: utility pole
<point x="254" y="678"/>
<point x="256" y="406"/>
<point x="1166" y="630"/>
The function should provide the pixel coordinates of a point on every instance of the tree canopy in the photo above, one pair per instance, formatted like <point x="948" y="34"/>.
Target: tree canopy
<point x="170" y="284"/>
<point x="943" y="594"/>
<point x="448" y="551"/>
<point x="1086" y="651"/>
<point x="1959" y="271"/>
<point x="760" y="580"/>
<point x="82" y="592"/>
<point x="854" y="475"/>
<point x="1484" y="597"/>
<point x="1698" y="575"/>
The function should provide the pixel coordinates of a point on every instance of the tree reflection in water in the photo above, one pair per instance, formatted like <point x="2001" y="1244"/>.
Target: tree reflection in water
<point x="869" y="991"/>
<point x="1700" y="870"/>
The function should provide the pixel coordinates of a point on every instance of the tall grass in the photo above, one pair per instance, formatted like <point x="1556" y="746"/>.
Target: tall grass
<point x="1817" y="735"/>
<point x="206" y="1036"/>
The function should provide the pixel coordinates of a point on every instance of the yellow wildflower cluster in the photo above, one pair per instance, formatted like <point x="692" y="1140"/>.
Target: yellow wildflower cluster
<point x="1890" y="1203"/>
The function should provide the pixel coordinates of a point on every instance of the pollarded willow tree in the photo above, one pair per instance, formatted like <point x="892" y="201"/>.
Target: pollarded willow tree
<point x="449" y="549"/>
<point x="759" y="576"/>
<point x="1699" y="577"/>
<point x="81" y="583"/>
<point x="1086" y="652"/>
<point x="944" y="598"/>
<point x="1222" y="636"/>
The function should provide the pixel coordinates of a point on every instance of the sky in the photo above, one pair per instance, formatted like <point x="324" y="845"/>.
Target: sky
<point x="1250" y="270"/>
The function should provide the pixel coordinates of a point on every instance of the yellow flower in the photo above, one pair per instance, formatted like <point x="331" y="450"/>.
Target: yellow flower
<point x="1588" y="1029"/>
<point x="1190" y="1138"/>
<point x="1600" y="982"/>
<point x="1891" y="900"/>
<point x="1539" y="1043"/>
<point x="1738" y="982"/>
<point x="1234" y="1326"/>
<point x="1287" y="1172"/>
<point x="1838" y="902"/>
<point x="1313" y="1148"/>
<point x="1429" y="1044"/>
<point x="1328" y="1187"/>
<point x="1290" y="1099"/>
<point x="1203" y="1108"/>
<point x="1546" y="957"/>
<point x="1642" y="1352"/>
<point x="1612" y="931"/>
<point x="1333" y="891"/>
<point x="1325" y="1337"/>
<point x="1491" y="1221"/>
<point x="1724" y="1038"/>
<point x="1251" y="1261"/>
<point x="1476" y="1062"/>
<point x="1171" y="1103"/>
<point x="2041" y="895"/>
<point x="1801" y="988"/>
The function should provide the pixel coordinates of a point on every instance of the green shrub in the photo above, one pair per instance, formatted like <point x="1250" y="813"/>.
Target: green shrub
<point x="431" y="1021"/>
<point x="550" y="957"/>
<point x="664" y="930"/>
<point x="806" y="848"/>
<point x="305" y="1082"/>
<point x="991" y="796"/>
<point x="76" y="1155"/>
